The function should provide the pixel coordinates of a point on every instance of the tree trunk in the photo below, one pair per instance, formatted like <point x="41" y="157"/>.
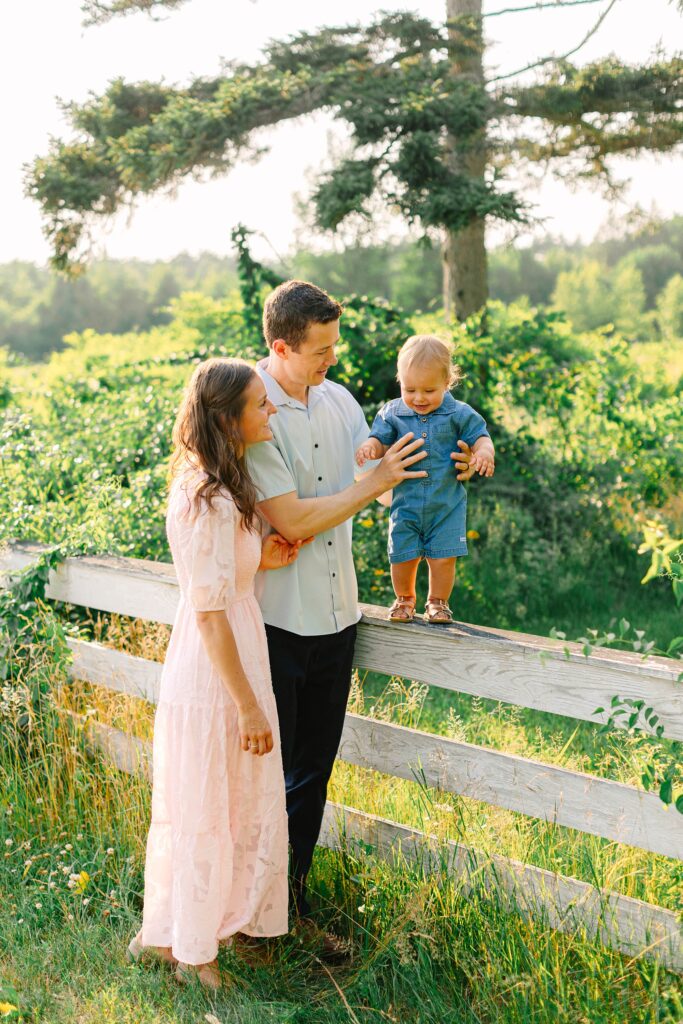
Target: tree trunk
<point x="465" y="286"/>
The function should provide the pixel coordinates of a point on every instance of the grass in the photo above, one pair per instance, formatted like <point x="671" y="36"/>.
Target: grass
<point x="422" y="951"/>
<point x="72" y="833"/>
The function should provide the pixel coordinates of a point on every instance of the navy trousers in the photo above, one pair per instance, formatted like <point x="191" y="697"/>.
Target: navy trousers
<point x="311" y="681"/>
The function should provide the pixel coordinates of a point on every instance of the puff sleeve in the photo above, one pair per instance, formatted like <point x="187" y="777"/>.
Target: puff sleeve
<point x="211" y="556"/>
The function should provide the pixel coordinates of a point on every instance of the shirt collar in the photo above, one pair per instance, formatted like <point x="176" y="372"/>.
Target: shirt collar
<point x="279" y="396"/>
<point x="446" y="407"/>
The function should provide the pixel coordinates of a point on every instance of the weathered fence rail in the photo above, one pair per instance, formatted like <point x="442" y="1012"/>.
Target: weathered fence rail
<point x="515" y="668"/>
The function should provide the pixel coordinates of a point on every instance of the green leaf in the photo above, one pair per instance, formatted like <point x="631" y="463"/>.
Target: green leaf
<point x="665" y="791"/>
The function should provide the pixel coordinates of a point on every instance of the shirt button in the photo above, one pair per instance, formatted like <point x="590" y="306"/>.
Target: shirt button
<point x="319" y="478"/>
<point x="315" y="445"/>
<point x="329" y="543"/>
<point x="334" y="574"/>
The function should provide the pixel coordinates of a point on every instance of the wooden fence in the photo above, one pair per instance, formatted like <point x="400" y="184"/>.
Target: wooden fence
<point x="523" y="670"/>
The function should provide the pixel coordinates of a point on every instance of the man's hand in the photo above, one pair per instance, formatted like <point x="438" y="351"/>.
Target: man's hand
<point x="464" y="461"/>
<point x="395" y="466"/>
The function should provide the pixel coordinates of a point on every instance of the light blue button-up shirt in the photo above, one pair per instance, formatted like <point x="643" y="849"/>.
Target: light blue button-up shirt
<point x="312" y="453"/>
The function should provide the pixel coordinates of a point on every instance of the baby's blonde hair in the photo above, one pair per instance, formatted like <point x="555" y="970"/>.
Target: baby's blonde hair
<point x="428" y="350"/>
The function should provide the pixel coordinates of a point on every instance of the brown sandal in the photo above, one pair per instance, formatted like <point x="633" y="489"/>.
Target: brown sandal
<point x="402" y="610"/>
<point x="437" y="611"/>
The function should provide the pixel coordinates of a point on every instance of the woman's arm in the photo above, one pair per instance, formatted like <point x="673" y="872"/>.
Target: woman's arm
<point x="219" y="641"/>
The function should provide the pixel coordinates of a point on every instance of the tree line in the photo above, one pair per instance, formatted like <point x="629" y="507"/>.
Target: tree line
<point x="633" y="280"/>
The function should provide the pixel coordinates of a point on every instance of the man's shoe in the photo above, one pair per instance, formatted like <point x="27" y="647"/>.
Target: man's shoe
<point x="324" y="945"/>
<point x="252" y="948"/>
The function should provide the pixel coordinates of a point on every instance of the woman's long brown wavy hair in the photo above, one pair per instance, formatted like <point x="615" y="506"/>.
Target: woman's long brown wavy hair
<point x="206" y="433"/>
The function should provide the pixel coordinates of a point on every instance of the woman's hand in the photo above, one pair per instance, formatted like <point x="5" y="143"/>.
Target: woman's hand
<point x="277" y="551"/>
<point x="256" y="736"/>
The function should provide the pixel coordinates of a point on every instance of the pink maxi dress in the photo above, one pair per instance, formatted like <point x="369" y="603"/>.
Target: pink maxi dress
<point x="216" y="859"/>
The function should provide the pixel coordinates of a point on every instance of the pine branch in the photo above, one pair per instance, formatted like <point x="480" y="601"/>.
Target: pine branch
<point x="606" y="87"/>
<point x="540" y="6"/>
<point x="566" y="56"/>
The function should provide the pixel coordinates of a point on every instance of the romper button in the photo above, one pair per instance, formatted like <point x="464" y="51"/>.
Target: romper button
<point x="424" y="419"/>
<point x="424" y="435"/>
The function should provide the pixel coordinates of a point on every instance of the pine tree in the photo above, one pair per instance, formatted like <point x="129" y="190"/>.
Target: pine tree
<point x="429" y="134"/>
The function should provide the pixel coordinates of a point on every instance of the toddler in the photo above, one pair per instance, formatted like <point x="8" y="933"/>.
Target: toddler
<point x="428" y="513"/>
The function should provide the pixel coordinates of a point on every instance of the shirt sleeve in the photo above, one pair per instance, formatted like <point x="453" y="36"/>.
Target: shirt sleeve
<point x="383" y="427"/>
<point x="268" y="470"/>
<point x="470" y="424"/>
<point x="361" y="431"/>
<point x="212" y="556"/>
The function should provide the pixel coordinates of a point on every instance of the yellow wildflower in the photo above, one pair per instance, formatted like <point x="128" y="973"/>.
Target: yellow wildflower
<point x="472" y="535"/>
<point x="7" y="1008"/>
<point x="82" y="882"/>
<point x="366" y="522"/>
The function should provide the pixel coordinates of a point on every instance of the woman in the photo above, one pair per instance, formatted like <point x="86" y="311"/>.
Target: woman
<point x="217" y="846"/>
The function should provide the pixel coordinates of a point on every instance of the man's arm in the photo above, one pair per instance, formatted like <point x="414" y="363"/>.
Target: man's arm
<point x="298" y="518"/>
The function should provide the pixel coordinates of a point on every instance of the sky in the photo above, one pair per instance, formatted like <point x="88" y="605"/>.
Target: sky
<point x="48" y="55"/>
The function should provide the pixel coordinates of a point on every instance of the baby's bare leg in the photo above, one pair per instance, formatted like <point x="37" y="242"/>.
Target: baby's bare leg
<point x="403" y="576"/>
<point x="441" y="578"/>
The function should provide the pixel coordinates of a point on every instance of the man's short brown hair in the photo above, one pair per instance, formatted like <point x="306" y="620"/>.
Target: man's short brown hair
<point x="292" y="308"/>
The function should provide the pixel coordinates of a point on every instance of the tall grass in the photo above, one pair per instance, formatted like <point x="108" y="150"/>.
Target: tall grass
<point x="72" y="832"/>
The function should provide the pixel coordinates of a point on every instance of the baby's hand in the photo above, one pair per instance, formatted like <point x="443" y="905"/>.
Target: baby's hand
<point x="483" y="463"/>
<point x="370" y="450"/>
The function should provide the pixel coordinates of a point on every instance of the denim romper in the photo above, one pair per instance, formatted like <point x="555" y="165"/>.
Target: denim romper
<point x="428" y="513"/>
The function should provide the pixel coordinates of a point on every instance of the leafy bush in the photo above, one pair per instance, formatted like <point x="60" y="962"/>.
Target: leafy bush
<point x="587" y="447"/>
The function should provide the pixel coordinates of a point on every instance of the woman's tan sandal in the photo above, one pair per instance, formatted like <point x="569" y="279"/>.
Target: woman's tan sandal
<point x="402" y="610"/>
<point x="208" y="975"/>
<point x="137" y="953"/>
<point x="437" y="610"/>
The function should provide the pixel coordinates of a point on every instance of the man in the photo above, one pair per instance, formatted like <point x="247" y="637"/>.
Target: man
<point x="306" y="477"/>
